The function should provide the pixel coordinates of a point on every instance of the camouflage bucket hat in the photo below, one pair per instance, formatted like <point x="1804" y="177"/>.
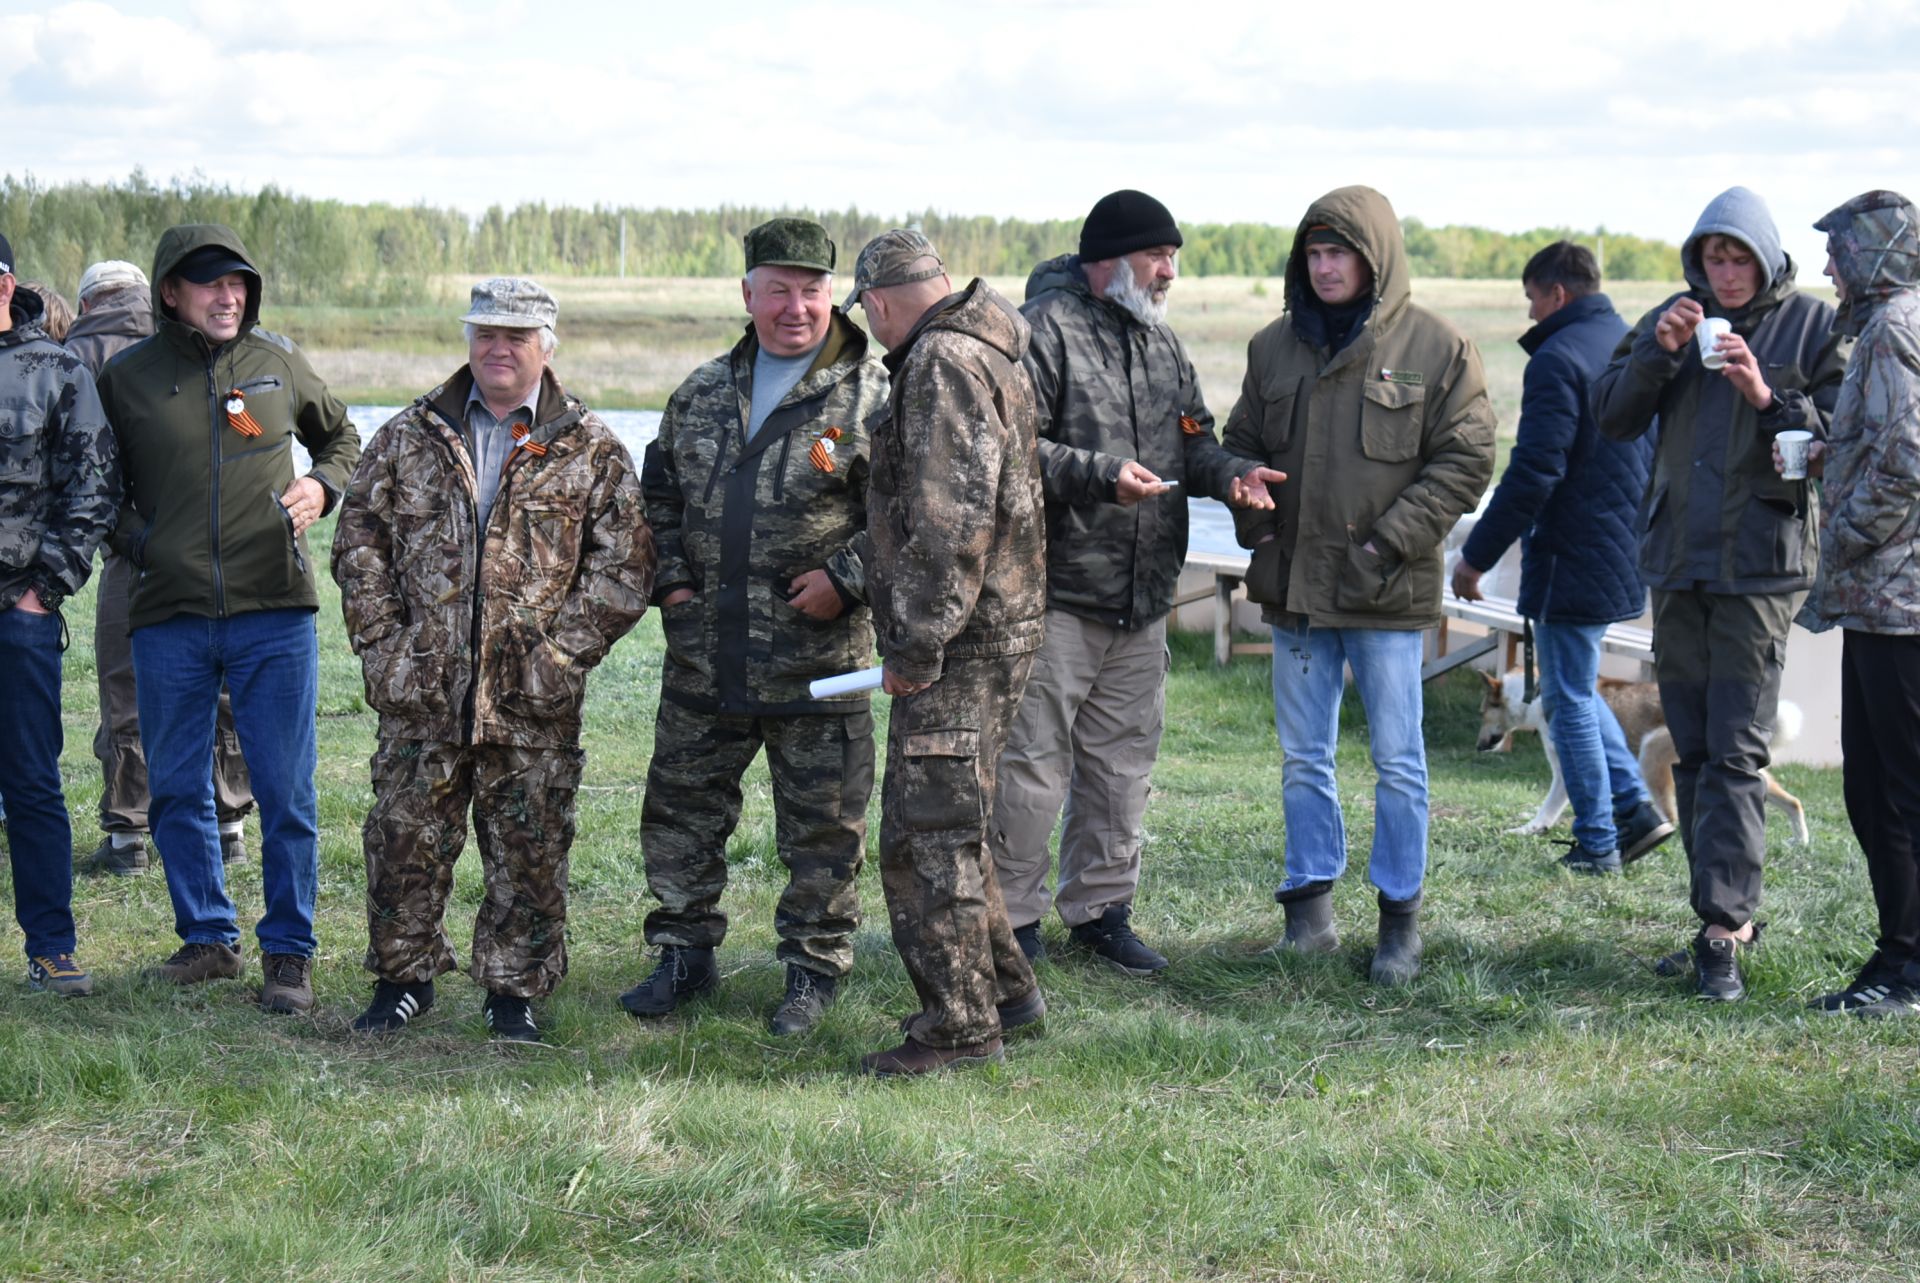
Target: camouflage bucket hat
<point x="898" y="257"/>
<point x="790" y="242"/>
<point x="511" y="303"/>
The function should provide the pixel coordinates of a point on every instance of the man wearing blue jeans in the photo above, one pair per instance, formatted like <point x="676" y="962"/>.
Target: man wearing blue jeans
<point x="59" y="480"/>
<point x="1572" y="498"/>
<point x="1377" y="409"/>
<point x="205" y="413"/>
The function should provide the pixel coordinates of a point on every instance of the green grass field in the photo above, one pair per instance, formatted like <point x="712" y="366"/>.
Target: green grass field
<point x="1539" y="1106"/>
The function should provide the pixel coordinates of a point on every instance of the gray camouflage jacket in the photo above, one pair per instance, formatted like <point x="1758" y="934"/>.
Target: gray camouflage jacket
<point x="959" y="551"/>
<point x="59" y="467"/>
<point x="737" y="521"/>
<point x="1870" y="528"/>
<point x="1111" y="389"/>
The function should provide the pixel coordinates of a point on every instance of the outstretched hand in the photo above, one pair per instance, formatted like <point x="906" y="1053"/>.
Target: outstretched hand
<point x="1251" y="490"/>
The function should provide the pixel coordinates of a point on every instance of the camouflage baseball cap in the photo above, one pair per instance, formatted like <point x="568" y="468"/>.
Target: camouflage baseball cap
<point x="898" y="257"/>
<point x="511" y="303"/>
<point x="790" y="242"/>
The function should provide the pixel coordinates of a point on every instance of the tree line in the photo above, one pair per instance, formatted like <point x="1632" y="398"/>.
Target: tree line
<point x="315" y="251"/>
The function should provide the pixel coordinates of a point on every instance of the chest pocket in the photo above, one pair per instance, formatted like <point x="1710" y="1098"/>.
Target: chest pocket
<point x="22" y="453"/>
<point x="265" y="401"/>
<point x="1390" y="419"/>
<point x="1281" y="399"/>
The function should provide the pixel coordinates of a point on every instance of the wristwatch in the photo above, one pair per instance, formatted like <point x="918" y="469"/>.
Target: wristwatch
<point x="50" y="598"/>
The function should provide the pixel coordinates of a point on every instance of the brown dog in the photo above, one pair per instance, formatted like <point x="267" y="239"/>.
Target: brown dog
<point x="1636" y="705"/>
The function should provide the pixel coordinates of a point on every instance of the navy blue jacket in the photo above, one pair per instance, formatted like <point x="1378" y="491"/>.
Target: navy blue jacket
<point x="1570" y="495"/>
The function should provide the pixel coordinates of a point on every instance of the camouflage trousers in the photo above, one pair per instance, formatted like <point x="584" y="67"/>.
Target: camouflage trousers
<point x="522" y="803"/>
<point x="822" y="768"/>
<point x="943" y="896"/>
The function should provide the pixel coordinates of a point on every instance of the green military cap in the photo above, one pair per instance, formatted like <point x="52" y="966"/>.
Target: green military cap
<point x="898" y="257"/>
<point x="790" y="242"/>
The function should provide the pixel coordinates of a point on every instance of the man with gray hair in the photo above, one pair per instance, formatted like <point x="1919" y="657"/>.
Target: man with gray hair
<point x="491" y="550"/>
<point x="116" y="312"/>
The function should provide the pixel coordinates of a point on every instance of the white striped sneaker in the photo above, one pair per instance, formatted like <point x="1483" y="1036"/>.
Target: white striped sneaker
<point x="393" y="1006"/>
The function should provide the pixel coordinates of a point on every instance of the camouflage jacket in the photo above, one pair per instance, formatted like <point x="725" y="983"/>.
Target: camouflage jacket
<point x="739" y="520"/>
<point x="1385" y="442"/>
<point x="59" y="469"/>
<point x="959" y="561"/>
<point x="1870" y="526"/>
<point x="1110" y="389"/>
<point x="466" y="643"/>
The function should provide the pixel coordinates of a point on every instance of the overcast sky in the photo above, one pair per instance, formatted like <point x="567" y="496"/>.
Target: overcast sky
<point x="1628" y="114"/>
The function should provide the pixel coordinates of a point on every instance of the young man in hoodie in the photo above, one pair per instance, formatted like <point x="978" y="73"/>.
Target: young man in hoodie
<point x="957" y="579"/>
<point x="1728" y="546"/>
<point x="1573" y="497"/>
<point x="59" y="484"/>
<point x="1125" y="437"/>
<point x="205" y="413"/>
<point x="1869" y="584"/>
<point x="1378" y="410"/>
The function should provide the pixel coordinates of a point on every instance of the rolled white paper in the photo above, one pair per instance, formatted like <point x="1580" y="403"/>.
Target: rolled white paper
<point x="867" y="679"/>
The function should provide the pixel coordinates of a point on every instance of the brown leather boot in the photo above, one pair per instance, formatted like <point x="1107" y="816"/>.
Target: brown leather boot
<point x="912" y="1058"/>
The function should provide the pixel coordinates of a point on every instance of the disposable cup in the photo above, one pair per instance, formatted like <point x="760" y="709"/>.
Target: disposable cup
<point x="1708" y="333"/>
<point x="1793" y="445"/>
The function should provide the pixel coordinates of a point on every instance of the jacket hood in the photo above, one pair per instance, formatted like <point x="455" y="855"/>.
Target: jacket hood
<point x="178" y="242"/>
<point x="1364" y="217"/>
<point x="1741" y="214"/>
<point x="27" y="309"/>
<point x="979" y="312"/>
<point x="128" y="311"/>
<point x="1875" y="242"/>
<point x="1062" y="273"/>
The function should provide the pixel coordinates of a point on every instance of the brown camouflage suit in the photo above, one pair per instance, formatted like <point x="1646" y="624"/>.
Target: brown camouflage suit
<point x="958" y="580"/>
<point x="737" y="521"/>
<point x="477" y="662"/>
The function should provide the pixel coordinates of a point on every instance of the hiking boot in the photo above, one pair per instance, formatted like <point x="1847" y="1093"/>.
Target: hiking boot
<point x="1396" y="959"/>
<point x="58" y="973"/>
<point x="233" y="846"/>
<point x="1015" y="1015"/>
<point x="112" y="859"/>
<point x="1716" y="969"/>
<point x="1579" y="859"/>
<point x="393" y="1006"/>
<point x="809" y="994"/>
<point x="1112" y="940"/>
<point x="1309" y="913"/>
<point x="681" y="973"/>
<point x="509" y="1019"/>
<point x="1640" y="830"/>
<point x="1028" y="938"/>
<point x="1870" y="985"/>
<point x="289" y="987"/>
<point x="911" y="1058"/>
<point x="1897" y="999"/>
<point x="193" y="963"/>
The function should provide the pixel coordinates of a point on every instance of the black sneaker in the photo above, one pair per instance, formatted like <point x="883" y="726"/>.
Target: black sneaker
<point x="1579" y="859"/>
<point x="1716" y="968"/>
<point x="1028" y="938"/>
<point x="681" y="973"/>
<point x="112" y="859"/>
<point x="1873" y="982"/>
<point x="1898" y="999"/>
<point x="809" y="994"/>
<point x="510" y="1019"/>
<point x="393" y="1006"/>
<point x="1112" y="940"/>
<point x="1640" y="830"/>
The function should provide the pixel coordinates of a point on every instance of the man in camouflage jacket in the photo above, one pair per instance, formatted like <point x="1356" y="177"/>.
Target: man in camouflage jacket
<point x="1124" y="439"/>
<point x="59" y="489"/>
<point x="1869" y="584"/>
<point x="756" y="487"/>
<point x="957" y="578"/>
<point x="491" y="550"/>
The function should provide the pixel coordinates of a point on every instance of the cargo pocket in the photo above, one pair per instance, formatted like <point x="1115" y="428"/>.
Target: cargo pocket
<point x="1276" y="417"/>
<point x="941" y="779"/>
<point x="1372" y="583"/>
<point x="1390" y="421"/>
<point x="1769" y="540"/>
<point x="1268" y="571"/>
<point x="680" y="624"/>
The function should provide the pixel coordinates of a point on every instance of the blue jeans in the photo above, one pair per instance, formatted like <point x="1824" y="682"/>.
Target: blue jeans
<point x="39" y="836"/>
<point x="1601" y="774"/>
<point x="270" y="662"/>
<point x="1309" y="680"/>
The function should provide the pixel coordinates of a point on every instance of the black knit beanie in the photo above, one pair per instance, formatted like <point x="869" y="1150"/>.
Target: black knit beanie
<point x="1124" y="221"/>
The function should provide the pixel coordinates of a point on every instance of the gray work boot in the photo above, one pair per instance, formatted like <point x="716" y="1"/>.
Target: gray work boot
<point x="1397" y="959"/>
<point x="809" y="994"/>
<point x="1309" y="911"/>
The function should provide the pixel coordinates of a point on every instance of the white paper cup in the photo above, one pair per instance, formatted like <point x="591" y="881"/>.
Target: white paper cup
<point x="1793" y="445"/>
<point x="1708" y="333"/>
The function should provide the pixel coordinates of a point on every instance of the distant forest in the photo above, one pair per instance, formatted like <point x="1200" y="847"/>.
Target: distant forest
<point x="330" y="252"/>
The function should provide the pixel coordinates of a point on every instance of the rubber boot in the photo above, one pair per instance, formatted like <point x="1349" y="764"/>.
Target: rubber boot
<point x="1397" y="959"/>
<point x="1309" y="911"/>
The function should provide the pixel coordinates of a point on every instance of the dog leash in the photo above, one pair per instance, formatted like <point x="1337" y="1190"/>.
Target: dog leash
<point x="1532" y="690"/>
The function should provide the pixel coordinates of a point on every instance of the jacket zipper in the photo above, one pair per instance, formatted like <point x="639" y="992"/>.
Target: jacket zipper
<point x="213" y="502"/>
<point x="472" y="562"/>
<point x="780" y="473"/>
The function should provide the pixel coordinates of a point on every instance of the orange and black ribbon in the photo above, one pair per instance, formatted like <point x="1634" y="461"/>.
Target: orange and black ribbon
<point x="238" y="418"/>
<point x="520" y="442"/>
<point x="1190" y="426"/>
<point x="821" y="453"/>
